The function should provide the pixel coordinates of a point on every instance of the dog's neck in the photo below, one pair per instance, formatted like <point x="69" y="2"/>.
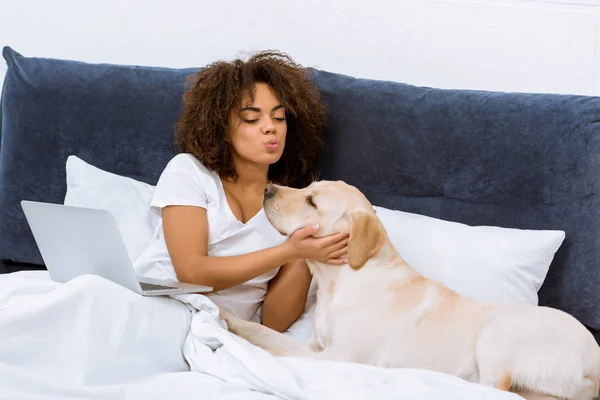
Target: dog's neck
<point x="386" y="258"/>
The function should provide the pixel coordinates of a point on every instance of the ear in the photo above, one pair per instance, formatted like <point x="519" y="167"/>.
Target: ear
<point x="366" y="238"/>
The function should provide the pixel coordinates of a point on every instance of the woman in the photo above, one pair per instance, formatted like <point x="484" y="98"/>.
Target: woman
<point x="243" y="125"/>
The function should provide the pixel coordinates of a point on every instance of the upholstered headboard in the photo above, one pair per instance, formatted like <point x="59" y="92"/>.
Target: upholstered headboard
<point x="119" y="118"/>
<point x="504" y="159"/>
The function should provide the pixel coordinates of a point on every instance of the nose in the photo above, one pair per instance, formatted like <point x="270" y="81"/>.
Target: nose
<point x="270" y="191"/>
<point x="269" y="127"/>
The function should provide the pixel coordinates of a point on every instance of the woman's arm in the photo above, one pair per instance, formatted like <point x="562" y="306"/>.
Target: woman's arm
<point x="286" y="297"/>
<point x="186" y="236"/>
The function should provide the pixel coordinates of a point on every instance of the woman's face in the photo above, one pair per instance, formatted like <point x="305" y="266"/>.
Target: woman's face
<point x="257" y="134"/>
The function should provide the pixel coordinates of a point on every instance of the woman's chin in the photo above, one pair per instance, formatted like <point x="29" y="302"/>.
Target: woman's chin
<point x="272" y="158"/>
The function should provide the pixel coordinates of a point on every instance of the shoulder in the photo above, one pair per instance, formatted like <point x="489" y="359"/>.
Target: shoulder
<point x="185" y="181"/>
<point x="188" y="162"/>
<point x="185" y="172"/>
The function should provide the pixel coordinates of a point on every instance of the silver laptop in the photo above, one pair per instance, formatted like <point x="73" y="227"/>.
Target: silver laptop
<point x="75" y="241"/>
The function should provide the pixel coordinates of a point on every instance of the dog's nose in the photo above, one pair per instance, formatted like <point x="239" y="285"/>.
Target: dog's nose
<point x="269" y="191"/>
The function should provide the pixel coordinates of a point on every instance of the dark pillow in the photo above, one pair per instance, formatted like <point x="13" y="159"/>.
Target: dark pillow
<point x="482" y="158"/>
<point x="118" y="118"/>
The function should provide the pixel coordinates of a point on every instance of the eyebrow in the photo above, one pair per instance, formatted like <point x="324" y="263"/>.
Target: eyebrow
<point x="256" y="109"/>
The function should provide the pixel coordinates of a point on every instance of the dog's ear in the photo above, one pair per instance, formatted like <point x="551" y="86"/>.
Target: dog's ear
<point x="366" y="238"/>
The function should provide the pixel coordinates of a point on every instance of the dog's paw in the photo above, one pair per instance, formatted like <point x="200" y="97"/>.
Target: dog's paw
<point x="224" y="314"/>
<point x="230" y="319"/>
<point x="313" y="343"/>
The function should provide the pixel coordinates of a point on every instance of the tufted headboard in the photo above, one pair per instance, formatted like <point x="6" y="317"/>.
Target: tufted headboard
<point x="504" y="159"/>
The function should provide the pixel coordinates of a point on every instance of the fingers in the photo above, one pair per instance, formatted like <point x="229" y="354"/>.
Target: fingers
<point x="337" y="261"/>
<point x="342" y="244"/>
<point x="330" y="240"/>
<point x="306" y="231"/>
<point x="339" y="253"/>
<point x="336" y="253"/>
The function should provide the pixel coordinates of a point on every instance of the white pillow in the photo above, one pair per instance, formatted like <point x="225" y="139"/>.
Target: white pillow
<point x="127" y="199"/>
<point x="485" y="263"/>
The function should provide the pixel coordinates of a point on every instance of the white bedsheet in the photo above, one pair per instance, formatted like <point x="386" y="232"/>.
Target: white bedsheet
<point x="92" y="339"/>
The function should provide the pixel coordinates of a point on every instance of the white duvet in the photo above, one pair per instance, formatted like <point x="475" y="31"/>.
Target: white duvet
<point x="92" y="339"/>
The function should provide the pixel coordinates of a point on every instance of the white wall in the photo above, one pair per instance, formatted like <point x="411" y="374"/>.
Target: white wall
<point x="512" y="45"/>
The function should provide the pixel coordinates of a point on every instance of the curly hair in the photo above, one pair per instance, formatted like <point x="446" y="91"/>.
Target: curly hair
<point x="217" y="88"/>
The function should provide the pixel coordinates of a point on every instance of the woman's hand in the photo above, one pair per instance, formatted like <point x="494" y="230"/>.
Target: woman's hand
<point x="328" y="249"/>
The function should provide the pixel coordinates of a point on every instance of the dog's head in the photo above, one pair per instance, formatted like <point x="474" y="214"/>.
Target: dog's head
<point x="335" y="207"/>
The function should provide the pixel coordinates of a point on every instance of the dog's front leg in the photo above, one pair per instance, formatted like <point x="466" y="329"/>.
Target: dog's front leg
<point x="313" y="343"/>
<point x="264" y="337"/>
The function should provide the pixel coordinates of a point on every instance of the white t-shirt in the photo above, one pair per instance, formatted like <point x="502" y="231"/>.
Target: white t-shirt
<point x="186" y="181"/>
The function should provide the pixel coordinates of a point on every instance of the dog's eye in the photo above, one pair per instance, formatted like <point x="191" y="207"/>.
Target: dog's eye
<point x="311" y="201"/>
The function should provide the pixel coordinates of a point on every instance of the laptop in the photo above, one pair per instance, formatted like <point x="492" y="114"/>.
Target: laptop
<point x="75" y="241"/>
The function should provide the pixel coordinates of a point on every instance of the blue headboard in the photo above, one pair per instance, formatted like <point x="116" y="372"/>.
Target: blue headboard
<point x="504" y="159"/>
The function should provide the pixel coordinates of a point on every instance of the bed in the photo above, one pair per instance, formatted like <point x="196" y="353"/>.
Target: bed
<point x="491" y="193"/>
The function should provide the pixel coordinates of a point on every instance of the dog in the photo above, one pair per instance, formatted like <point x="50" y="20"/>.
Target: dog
<point x="379" y="311"/>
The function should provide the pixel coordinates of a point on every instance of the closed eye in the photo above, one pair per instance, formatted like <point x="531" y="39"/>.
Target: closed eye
<point x="311" y="201"/>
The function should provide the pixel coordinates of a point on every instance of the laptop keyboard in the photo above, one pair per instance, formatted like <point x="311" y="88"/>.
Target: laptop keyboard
<point x="150" y="286"/>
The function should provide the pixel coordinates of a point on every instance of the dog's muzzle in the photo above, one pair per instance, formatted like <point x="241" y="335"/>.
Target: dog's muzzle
<point x="270" y="191"/>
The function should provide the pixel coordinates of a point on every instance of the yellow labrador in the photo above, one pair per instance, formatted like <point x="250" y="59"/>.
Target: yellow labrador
<point x="378" y="310"/>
